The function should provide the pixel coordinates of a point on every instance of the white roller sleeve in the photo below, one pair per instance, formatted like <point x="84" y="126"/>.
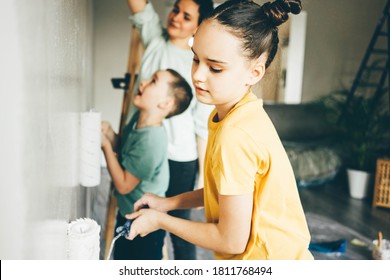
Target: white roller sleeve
<point x="83" y="240"/>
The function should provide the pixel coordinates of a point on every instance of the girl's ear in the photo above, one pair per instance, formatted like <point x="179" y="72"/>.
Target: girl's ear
<point x="257" y="70"/>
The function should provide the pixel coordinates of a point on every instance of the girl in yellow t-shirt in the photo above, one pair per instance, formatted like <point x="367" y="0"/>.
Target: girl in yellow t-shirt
<point x="251" y="201"/>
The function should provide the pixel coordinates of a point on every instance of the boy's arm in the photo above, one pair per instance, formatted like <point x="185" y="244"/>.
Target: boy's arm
<point x="136" y="6"/>
<point x="123" y="180"/>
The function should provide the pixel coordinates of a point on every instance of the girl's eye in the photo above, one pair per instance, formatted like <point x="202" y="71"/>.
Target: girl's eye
<point x="186" y="18"/>
<point x="215" y="70"/>
<point x="195" y="60"/>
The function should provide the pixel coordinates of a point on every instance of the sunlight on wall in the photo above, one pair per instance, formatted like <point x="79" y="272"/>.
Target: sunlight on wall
<point x="46" y="82"/>
<point x="10" y="140"/>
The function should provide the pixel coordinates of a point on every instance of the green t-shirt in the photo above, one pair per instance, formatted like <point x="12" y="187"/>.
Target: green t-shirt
<point x="143" y="153"/>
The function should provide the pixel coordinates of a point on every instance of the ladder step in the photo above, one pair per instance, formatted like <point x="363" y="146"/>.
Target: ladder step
<point x="380" y="51"/>
<point x="363" y="84"/>
<point x="377" y="51"/>
<point x="375" y="68"/>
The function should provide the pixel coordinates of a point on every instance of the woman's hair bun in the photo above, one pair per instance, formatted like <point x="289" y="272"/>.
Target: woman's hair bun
<point x="278" y="11"/>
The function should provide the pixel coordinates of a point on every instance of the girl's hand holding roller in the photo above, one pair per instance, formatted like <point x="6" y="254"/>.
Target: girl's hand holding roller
<point x="144" y="222"/>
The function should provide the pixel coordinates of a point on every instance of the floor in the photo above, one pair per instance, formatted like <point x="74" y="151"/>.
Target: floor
<point x="333" y="201"/>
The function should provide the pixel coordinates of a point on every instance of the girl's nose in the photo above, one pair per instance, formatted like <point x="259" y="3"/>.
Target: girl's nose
<point x="198" y="75"/>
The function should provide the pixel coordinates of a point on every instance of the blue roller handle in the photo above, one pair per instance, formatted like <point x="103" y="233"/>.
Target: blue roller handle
<point x="125" y="229"/>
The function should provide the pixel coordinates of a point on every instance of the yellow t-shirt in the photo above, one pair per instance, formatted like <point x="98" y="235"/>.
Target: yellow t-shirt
<point x="245" y="155"/>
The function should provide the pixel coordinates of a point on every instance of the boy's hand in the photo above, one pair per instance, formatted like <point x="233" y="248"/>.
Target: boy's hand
<point x="106" y="128"/>
<point x="108" y="132"/>
<point x="105" y="141"/>
<point x="152" y="201"/>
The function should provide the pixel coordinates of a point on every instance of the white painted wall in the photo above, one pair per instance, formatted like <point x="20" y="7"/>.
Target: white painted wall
<point x="45" y="81"/>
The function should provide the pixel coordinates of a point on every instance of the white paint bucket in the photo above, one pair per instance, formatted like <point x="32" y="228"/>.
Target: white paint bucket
<point x="382" y="253"/>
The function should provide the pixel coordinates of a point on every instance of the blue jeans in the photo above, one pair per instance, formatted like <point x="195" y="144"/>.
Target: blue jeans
<point x="140" y="248"/>
<point x="182" y="179"/>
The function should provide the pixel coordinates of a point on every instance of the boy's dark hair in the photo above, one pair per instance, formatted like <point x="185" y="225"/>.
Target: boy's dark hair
<point x="181" y="91"/>
<point x="256" y="25"/>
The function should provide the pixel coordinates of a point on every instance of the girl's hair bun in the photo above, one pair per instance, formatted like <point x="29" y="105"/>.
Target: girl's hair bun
<point x="277" y="11"/>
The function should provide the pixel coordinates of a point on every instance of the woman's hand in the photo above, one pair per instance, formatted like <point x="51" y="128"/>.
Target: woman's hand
<point x="144" y="222"/>
<point x="136" y="6"/>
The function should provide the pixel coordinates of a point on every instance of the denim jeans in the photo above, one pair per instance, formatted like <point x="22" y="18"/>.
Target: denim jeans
<point x="140" y="248"/>
<point x="182" y="179"/>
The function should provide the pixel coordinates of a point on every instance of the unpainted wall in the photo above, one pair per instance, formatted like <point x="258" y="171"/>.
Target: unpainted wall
<point x="46" y="81"/>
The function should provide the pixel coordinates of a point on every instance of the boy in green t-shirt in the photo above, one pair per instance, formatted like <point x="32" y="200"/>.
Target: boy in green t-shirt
<point x="142" y="164"/>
